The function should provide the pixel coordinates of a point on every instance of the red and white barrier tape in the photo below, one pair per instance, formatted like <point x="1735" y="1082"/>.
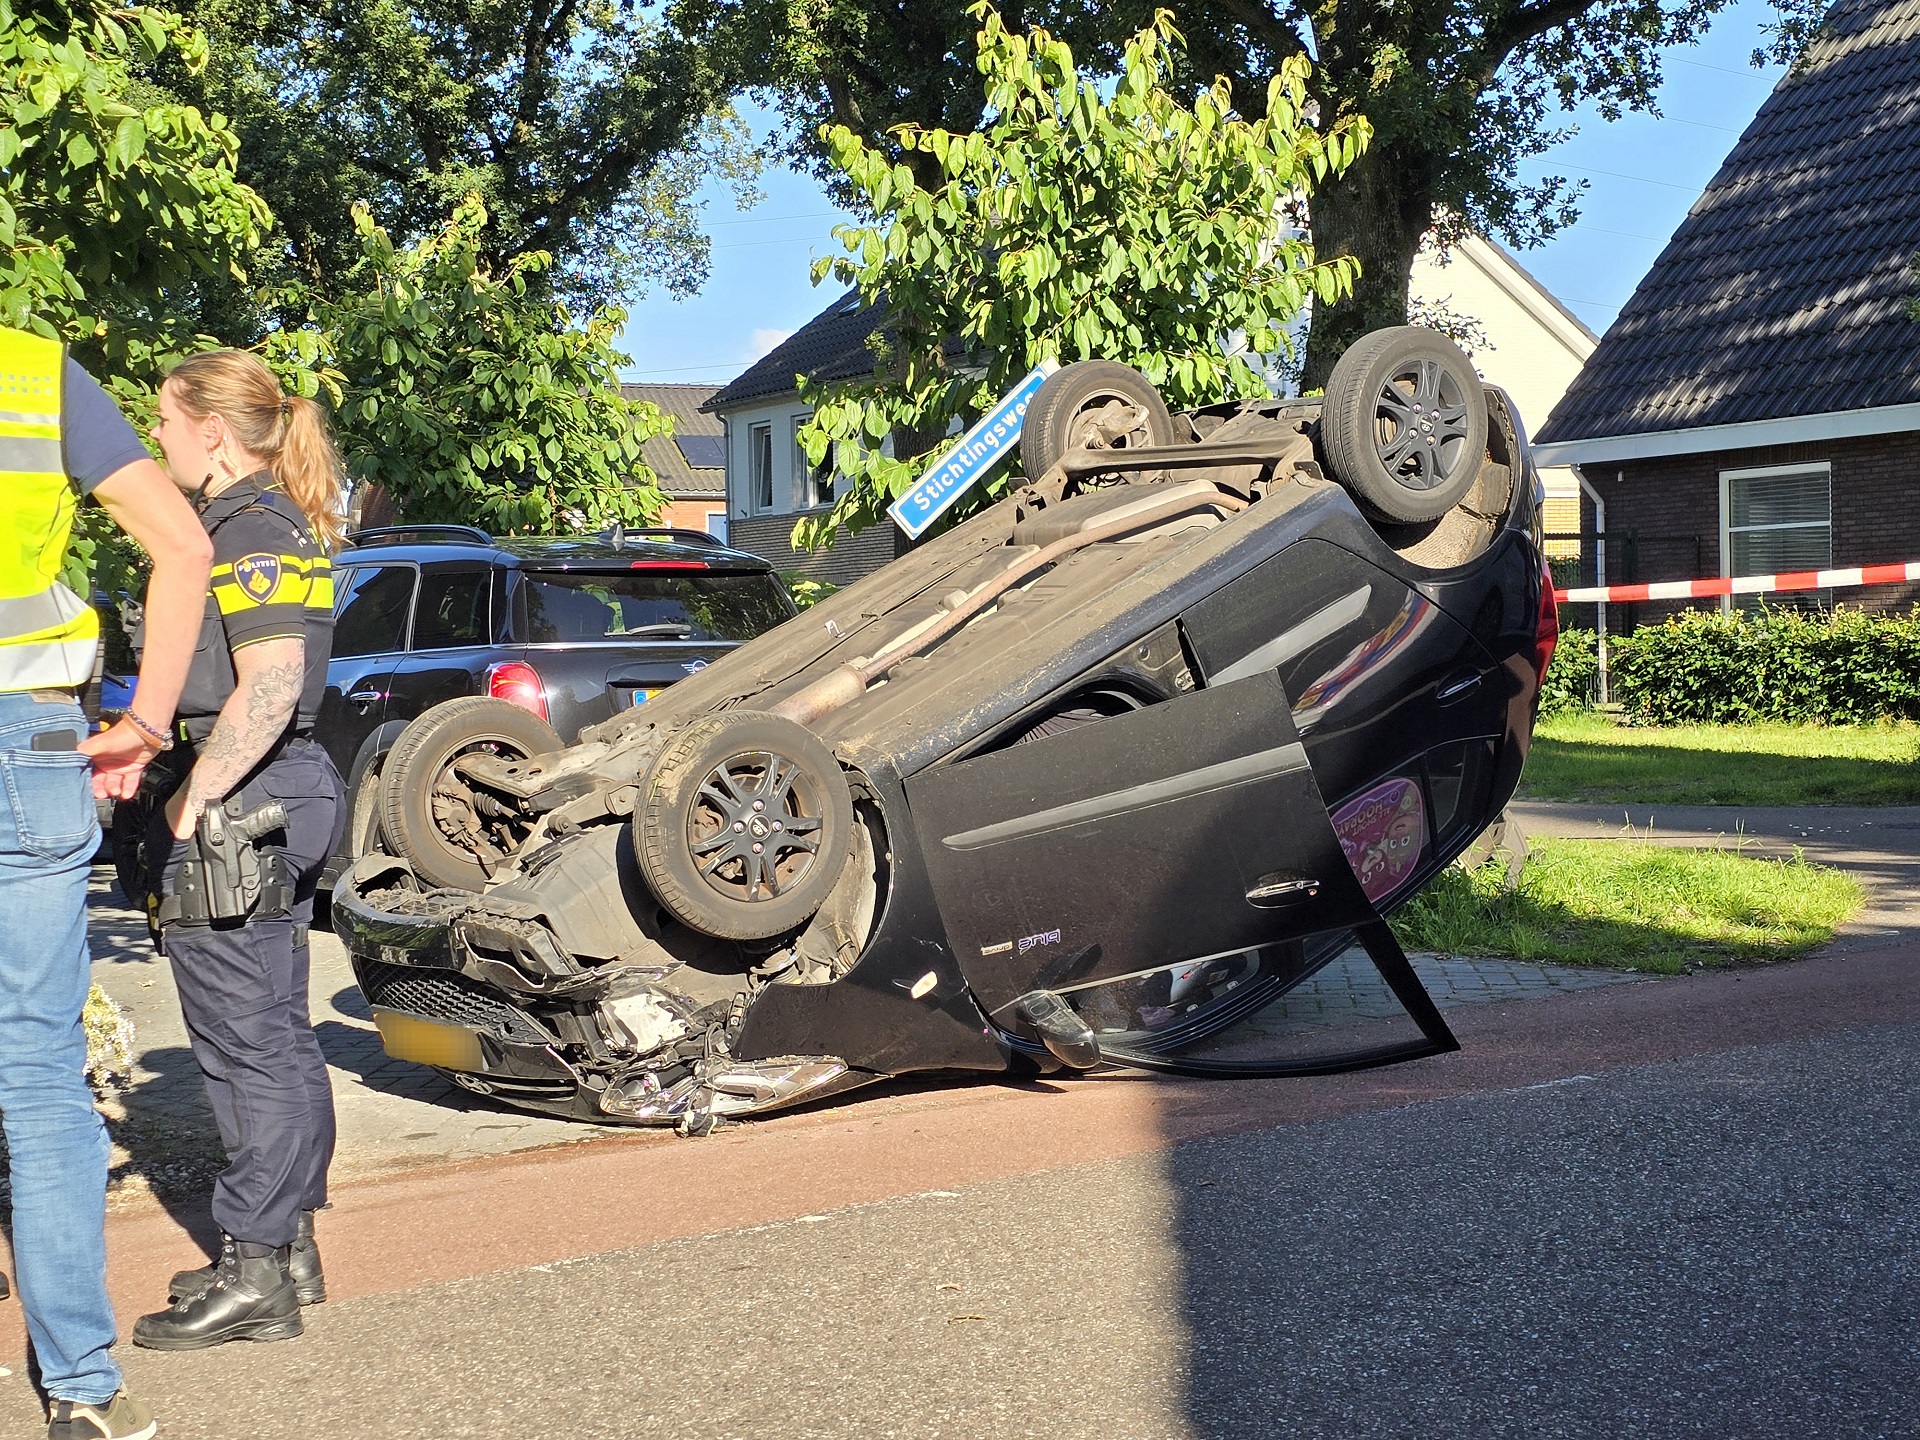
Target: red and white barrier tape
<point x="1744" y="584"/>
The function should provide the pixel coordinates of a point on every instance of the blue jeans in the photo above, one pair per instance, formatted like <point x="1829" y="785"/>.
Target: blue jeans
<point x="55" y="1138"/>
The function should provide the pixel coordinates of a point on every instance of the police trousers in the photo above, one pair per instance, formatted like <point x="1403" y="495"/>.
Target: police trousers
<point x="243" y="992"/>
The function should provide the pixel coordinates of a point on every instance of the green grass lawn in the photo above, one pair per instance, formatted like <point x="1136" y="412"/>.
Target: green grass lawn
<point x="1633" y="906"/>
<point x="1586" y="756"/>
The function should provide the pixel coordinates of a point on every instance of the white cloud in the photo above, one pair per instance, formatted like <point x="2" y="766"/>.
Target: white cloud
<point x="763" y="342"/>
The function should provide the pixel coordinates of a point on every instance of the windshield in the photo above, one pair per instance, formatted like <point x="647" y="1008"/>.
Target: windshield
<point x="637" y="605"/>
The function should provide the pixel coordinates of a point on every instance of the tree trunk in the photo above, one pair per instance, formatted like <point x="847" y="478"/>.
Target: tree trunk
<point x="1377" y="211"/>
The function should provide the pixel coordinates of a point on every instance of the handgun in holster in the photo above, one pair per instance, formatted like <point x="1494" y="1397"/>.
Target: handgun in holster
<point x="227" y="874"/>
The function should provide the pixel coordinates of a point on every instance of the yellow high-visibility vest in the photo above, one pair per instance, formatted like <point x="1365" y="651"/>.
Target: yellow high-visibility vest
<point x="48" y="634"/>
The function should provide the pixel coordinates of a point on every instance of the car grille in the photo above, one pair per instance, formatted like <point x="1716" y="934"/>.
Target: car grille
<point x="443" y="995"/>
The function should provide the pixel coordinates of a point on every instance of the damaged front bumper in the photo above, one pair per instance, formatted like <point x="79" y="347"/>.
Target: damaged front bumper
<point x="492" y="1000"/>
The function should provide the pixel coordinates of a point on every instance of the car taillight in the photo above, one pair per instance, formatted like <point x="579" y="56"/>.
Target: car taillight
<point x="518" y="684"/>
<point x="1549" y="633"/>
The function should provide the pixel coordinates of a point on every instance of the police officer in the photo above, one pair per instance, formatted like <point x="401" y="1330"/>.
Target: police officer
<point x="58" y="433"/>
<point x="262" y="471"/>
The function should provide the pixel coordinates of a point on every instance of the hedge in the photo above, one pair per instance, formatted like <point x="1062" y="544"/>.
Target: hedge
<point x="1845" y="667"/>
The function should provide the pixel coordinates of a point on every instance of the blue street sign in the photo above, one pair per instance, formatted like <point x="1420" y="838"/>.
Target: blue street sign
<point x="977" y="452"/>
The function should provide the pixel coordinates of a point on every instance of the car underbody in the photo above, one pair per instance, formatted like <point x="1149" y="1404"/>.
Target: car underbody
<point x="1097" y="776"/>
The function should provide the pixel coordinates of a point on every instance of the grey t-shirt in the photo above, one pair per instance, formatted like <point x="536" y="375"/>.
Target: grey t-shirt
<point x="97" y="437"/>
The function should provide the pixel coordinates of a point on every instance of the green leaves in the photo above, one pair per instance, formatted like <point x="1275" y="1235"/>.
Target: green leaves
<point x="110" y="209"/>
<point x="1070" y="226"/>
<point x="468" y="396"/>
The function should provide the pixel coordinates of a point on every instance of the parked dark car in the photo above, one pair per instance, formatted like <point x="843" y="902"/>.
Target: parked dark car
<point x="1126" y="769"/>
<point x="566" y="632"/>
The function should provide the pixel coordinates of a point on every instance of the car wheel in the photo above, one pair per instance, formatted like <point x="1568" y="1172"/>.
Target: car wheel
<point x="1097" y="403"/>
<point x="1404" y="424"/>
<point x="744" y="826"/>
<point x="364" y="835"/>
<point x="449" y="832"/>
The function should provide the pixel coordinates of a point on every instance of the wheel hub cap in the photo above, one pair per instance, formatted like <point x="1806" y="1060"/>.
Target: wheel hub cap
<point x="750" y="830"/>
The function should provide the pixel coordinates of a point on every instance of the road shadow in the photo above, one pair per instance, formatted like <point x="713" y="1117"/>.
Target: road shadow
<point x="160" y="1119"/>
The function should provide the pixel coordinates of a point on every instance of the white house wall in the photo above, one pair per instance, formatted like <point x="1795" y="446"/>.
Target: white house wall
<point x="781" y="415"/>
<point x="1533" y="349"/>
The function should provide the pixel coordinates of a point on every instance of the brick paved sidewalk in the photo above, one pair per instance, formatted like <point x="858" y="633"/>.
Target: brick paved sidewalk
<point x="395" y="1115"/>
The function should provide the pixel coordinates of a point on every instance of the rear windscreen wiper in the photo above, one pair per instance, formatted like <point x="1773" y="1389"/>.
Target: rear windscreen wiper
<point x="663" y="627"/>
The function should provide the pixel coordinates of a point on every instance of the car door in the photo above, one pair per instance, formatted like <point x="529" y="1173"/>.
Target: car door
<point x="452" y="641"/>
<point x="373" y="605"/>
<point x="1173" y="873"/>
<point x="1401" y="709"/>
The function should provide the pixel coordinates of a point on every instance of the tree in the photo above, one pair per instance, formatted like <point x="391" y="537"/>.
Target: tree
<point x="867" y="65"/>
<point x="1459" y="93"/>
<point x="468" y="394"/>
<point x="112" y="204"/>
<point x="585" y="126"/>
<point x="1070" y="227"/>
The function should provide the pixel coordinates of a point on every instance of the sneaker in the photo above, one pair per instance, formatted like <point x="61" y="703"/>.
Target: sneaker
<point x="121" y="1418"/>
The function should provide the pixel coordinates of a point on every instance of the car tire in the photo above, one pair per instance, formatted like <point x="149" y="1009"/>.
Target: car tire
<point x="1404" y="424"/>
<point x="1072" y="401"/>
<point x="420" y="764"/>
<point x="733" y="772"/>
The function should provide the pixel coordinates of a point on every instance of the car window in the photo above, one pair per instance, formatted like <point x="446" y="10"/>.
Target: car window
<point x="372" y="614"/>
<point x="658" y="606"/>
<point x="453" y="608"/>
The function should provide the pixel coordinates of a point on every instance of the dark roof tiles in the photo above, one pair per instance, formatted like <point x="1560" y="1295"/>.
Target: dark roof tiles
<point x="831" y="346"/>
<point x="1784" y="291"/>
<point x="668" y="460"/>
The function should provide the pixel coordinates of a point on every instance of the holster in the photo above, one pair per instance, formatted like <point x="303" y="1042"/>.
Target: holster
<point x="227" y="874"/>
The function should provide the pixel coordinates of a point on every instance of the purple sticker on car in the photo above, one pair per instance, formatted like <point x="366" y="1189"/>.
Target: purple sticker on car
<point x="1382" y="833"/>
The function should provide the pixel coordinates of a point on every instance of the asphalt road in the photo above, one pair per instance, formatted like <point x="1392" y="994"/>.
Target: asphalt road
<point x="1719" y="1245"/>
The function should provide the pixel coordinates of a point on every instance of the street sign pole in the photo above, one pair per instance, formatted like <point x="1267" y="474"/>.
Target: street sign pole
<point x="976" y="452"/>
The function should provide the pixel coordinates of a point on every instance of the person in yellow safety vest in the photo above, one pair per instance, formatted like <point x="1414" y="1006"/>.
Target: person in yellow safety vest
<point x="60" y="434"/>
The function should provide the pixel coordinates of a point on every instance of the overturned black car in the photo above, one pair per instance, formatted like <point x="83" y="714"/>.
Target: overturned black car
<point x="1124" y="770"/>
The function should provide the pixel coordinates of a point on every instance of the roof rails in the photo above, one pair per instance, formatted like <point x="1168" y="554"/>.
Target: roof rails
<point x="618" y="535"/>
<point x="445" y="532"/>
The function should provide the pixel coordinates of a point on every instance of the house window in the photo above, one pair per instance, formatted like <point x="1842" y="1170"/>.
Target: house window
<point x="815" y="482"/>
<point x="1775" y="520"/>
<point x="717" y="525"/>
<point x="760" y="466"/>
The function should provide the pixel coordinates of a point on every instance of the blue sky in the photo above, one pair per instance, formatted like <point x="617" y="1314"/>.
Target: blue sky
<point x="1642" y="174"/>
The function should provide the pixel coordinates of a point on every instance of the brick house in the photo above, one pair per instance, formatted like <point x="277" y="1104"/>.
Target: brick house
<point x="1756" y="406"/>
<point x="690" y="464"/>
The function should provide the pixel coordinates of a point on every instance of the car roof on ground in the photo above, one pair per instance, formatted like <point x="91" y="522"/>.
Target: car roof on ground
<point x="552" y="551"/>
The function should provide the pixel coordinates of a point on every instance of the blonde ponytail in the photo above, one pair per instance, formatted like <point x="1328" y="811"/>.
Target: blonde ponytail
<point x="289" y="432"/>
<point x="308" y="469"/>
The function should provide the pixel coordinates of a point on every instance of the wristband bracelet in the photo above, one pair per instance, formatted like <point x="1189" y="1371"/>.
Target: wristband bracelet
<point x="152" y="732"/>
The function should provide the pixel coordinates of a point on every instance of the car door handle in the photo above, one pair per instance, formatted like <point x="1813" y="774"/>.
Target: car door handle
<point x="1281" y="888"/>
<point x="1458" y="688"/>
<point x="363" y="698"/>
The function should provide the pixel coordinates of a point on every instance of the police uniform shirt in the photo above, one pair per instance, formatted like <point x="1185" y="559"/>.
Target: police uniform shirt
<point x="271" y="581"/>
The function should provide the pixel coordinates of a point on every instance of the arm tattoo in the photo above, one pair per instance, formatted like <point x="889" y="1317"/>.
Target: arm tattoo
<point x="255" y="716"/>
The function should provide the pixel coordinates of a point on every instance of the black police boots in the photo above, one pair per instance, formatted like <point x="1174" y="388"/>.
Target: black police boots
<point x="251" y="1298"/>
<point x="303" y="1263"/>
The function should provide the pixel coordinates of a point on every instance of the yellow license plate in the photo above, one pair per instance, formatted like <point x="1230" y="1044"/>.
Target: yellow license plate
<point x="429" y="1042"/>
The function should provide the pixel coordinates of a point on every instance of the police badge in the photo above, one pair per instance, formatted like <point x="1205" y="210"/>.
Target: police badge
<point x="258" y="576"/>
